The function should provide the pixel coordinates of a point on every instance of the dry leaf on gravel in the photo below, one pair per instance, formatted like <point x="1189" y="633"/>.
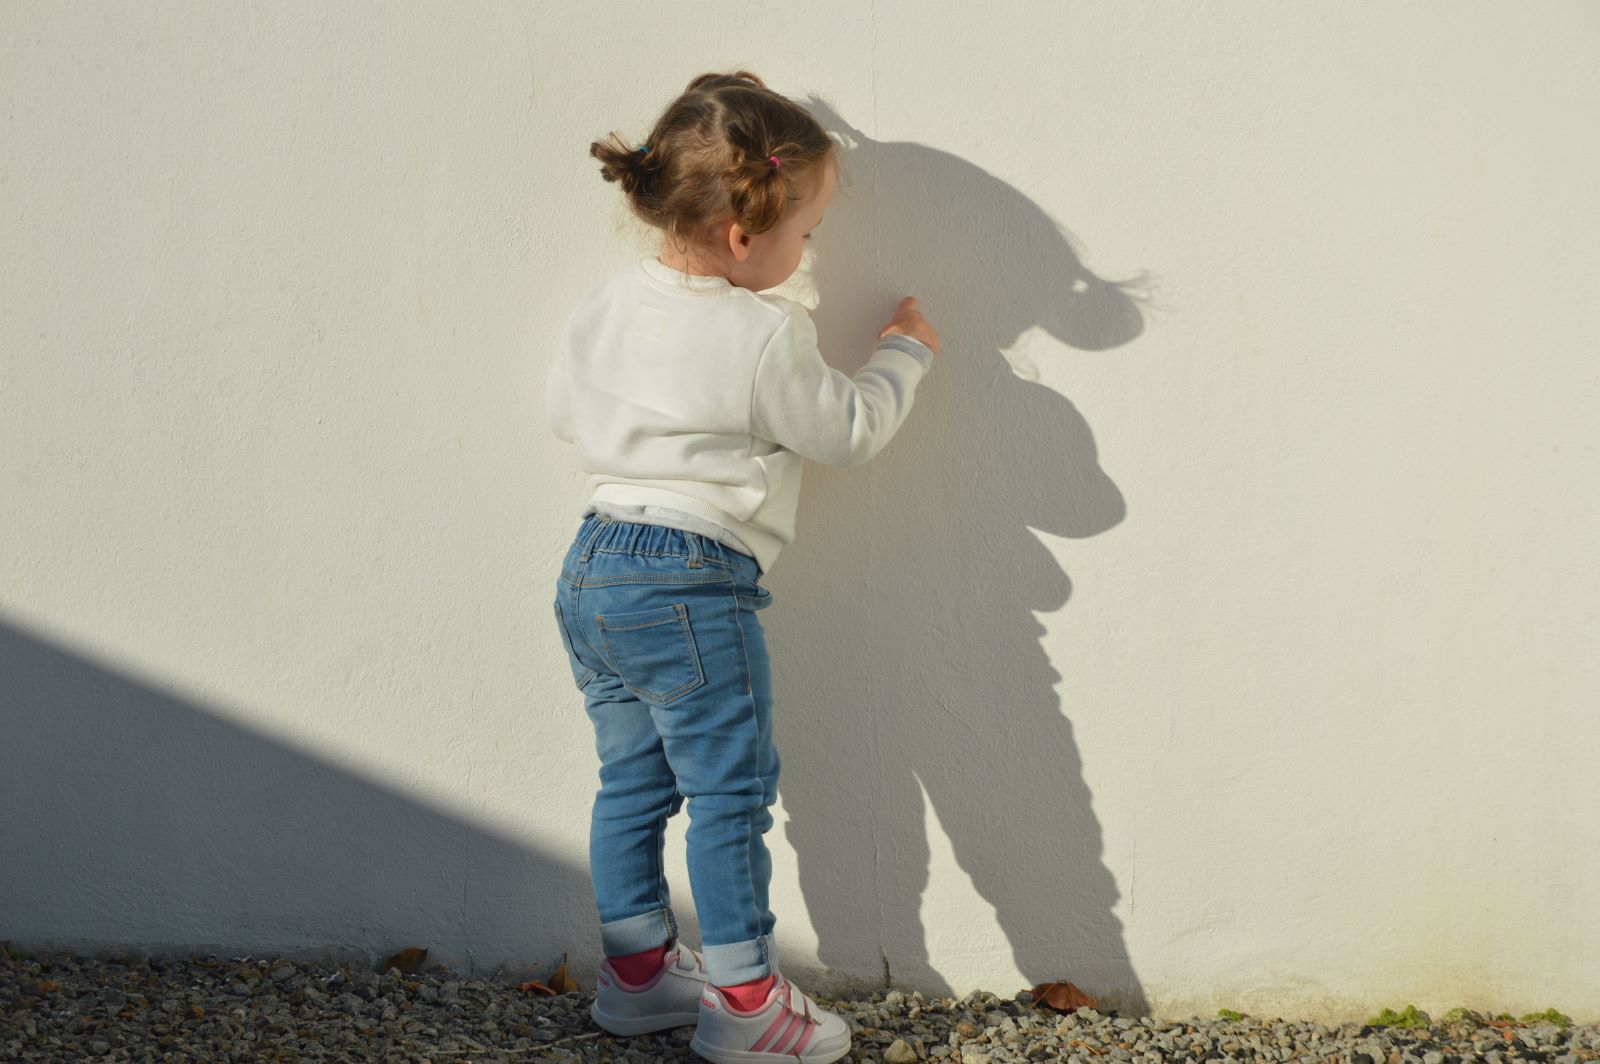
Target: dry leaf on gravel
<point x="407" y="960"/>
<point x="1063" y="997"/>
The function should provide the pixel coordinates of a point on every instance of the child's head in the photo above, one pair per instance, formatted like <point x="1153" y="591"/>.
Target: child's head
<point x="708" y="182"/>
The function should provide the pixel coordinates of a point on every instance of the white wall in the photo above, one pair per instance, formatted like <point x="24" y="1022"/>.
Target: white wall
<point x="1220" y="630"/>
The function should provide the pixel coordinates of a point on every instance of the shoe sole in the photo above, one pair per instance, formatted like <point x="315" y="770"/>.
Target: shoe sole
<point x="744" y="1056"/>
<point x="643" y="1024"/>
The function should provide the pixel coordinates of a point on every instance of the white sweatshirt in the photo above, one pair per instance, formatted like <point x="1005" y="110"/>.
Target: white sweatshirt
<point x="693" y="402"/>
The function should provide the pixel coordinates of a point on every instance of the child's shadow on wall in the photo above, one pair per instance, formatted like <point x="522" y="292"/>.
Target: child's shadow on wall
<point x="906" y="649"/>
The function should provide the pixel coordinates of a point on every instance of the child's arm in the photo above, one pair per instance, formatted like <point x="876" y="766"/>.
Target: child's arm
<point x="801" y="403"/>
<point x="557" y="400"/>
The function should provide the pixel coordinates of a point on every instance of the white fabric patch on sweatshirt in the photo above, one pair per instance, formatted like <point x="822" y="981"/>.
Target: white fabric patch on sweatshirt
<point x="648" y="321"/>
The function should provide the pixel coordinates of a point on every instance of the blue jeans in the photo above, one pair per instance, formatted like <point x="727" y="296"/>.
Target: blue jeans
<point x="661" y="631"/>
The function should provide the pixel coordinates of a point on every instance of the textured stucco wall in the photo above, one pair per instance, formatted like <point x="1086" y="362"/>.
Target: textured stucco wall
<point x="1220" y="629"/>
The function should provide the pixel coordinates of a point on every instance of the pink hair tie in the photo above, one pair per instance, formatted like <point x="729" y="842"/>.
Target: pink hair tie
<point x="775" y="163"/>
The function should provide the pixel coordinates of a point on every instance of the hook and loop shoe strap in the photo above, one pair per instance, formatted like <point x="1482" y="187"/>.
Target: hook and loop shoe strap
<point x="790" y="1030"/>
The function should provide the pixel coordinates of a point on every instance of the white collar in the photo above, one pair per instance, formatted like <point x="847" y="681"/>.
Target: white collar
<point x="654" y="267"/>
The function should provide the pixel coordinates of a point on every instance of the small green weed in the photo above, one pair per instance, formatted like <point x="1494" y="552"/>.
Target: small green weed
<point x="1410" y="1017"/>
<point x="1407" y="1017"/>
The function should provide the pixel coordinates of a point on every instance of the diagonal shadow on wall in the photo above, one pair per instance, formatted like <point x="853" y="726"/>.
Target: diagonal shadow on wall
<point x="133" y="818"/>
<point x="906" y="650"/>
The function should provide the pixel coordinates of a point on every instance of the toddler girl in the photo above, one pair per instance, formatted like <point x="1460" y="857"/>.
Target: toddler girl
<point x="693" y="398"/>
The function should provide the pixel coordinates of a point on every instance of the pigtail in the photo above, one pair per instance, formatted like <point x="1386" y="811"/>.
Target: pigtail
<point x="758" y="191"/>
<point x="623" y="163"/>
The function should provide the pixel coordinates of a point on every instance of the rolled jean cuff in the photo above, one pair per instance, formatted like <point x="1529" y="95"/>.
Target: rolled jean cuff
<point x="635" y="934"/>
<point x="740" y="962"/>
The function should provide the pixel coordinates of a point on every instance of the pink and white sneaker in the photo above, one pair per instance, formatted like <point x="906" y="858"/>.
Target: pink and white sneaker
<point x="671" y="998"/>
<point x="788" y="1026"/>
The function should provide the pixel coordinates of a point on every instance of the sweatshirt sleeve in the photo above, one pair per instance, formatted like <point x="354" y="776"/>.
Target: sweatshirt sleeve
<point x="557" y="399"/>
<point x="801" y="403"/>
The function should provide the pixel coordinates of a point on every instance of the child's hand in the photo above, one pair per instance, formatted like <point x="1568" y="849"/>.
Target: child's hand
<point x="909" y="321"/>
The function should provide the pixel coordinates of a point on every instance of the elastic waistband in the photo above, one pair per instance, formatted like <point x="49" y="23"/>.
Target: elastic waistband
<point x="600" y="532"/>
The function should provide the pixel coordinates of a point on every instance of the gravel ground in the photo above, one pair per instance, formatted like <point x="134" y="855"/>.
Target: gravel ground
<point x="66" y="1007"/>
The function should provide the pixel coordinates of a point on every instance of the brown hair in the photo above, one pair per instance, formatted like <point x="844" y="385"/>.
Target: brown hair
<point x="707" y="159"/>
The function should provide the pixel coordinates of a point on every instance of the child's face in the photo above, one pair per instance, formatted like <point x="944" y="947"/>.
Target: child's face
<point x="766" y="260"/>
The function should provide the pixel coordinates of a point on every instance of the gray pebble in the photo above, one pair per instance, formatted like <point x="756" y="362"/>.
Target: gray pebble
<point x="899" y="1052"/>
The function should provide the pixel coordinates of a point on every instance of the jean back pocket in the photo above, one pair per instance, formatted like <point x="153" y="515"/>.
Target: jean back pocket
<point x="653" y="650"/>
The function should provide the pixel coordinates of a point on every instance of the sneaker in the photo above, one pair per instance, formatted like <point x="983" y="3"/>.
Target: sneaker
<point x="671" y="998"/>
<point x="788" y="1026"/>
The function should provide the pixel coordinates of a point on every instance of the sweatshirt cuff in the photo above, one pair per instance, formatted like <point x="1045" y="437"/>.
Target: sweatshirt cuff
<point x="901" y="342"/>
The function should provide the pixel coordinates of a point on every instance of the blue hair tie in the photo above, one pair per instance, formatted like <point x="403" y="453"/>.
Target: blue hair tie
<point x="640" y="148"/>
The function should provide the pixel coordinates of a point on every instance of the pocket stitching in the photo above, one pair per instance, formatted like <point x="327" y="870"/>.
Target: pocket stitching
<point x="682" y="613"/>
<point x="756" y="600"/>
